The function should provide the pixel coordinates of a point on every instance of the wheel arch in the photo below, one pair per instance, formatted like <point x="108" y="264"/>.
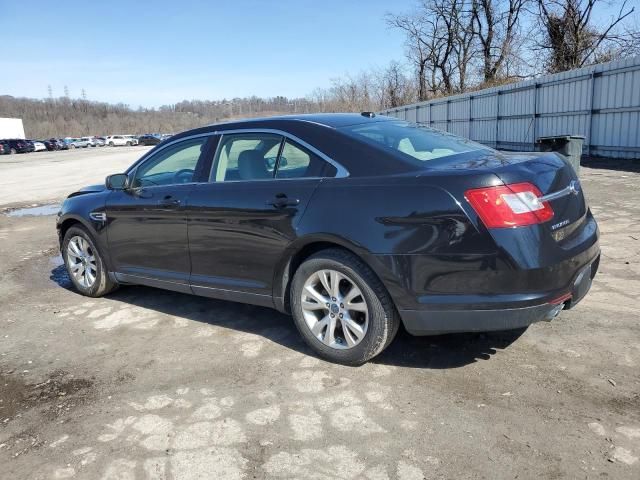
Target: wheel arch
<point x="298" y="252"/>
<point x="72" y="220"/>
<point x="98" y="234"/>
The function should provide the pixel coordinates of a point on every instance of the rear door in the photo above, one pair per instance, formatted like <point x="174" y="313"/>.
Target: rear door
<point x="242" y="221"/>
<point x="147" y="223"/>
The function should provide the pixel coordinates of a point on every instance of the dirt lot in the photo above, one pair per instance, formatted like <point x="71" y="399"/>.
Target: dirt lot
<point x="147" y="384"/>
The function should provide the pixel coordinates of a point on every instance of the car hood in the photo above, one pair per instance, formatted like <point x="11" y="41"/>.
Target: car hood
<point x="89" y="189"/>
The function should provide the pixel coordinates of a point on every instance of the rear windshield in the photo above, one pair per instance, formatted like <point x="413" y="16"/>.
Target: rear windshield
<point x="420" y="143"/>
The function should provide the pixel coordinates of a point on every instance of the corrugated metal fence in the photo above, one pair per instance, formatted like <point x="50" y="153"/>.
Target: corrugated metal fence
<point x="601" y="102"/>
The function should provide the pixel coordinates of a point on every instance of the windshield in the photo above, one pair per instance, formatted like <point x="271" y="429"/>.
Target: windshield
<point x="418" y="142"/>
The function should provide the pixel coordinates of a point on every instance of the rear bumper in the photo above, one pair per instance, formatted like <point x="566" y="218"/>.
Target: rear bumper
<point x="514" y="314"/>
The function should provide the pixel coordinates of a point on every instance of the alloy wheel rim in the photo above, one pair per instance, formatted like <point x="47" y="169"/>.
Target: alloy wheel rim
<point x="81" y="261"/>
<point x="335" y="309"/>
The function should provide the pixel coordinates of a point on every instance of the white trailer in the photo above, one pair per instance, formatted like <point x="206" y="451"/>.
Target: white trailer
<point x="11" y="128"/>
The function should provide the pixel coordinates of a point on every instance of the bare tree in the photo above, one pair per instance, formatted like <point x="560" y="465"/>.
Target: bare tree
<point x="419" y="52"/>
<point x="440" y="41"/>
<point x="496" y="24"/>
<point x="394" y="87"/>
<point x="571" y="36"/>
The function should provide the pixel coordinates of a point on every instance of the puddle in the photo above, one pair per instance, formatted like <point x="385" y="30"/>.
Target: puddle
<point x="39" y="210"/>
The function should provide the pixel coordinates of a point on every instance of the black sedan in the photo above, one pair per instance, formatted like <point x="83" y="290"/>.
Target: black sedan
<point x="351" y="223"/>
<point x="149" y="140"/>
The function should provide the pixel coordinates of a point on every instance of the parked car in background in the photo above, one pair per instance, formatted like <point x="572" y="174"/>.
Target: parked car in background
<point x="62" y="145"/>
<point x="118" y="141"/>
<point x="18" y="145"/>
<point x="430" y="230"/>
<point x="99" y="141"/>
<point x="76" y="142"/>
<point x="132" y="138"/>
<point x="2" y="152"/>
<point x="90" y="141"/>
<point x="38" y="146"/>
<point x="50" y="144"/>
<point x="149" y="140"/>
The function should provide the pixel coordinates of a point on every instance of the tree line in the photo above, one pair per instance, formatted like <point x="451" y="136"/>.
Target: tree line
<point x="451" y="46"/>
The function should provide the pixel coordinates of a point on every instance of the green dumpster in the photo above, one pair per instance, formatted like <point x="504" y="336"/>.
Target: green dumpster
<point x="569" y="146"/>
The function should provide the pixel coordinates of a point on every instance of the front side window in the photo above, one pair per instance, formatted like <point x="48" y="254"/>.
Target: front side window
<point x="172" y="165"/>
<point x="419" y="143"/>
<point x="246" y="156"/>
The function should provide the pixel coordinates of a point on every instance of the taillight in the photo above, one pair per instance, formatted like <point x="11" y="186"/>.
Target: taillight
<point x="514" y="205"/>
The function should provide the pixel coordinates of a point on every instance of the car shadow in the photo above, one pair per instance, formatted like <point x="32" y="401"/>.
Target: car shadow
<point x="445" y="351"/>
<point x="618" y="164"/>
<point x="437" y="352"/>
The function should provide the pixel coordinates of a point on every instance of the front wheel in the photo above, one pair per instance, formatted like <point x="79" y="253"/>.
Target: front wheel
<point x="341" y="308"/>
<point x="84" y="263"/>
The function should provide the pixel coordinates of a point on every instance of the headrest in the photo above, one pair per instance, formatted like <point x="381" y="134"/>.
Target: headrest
<point x="251" y="165"/>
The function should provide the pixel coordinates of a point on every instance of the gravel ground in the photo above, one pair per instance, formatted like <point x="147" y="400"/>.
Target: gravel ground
<point x="147" y="384"/>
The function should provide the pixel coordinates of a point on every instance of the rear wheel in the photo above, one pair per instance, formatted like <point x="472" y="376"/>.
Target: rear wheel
<point x="84" y="263"/>
<point x="128" y="144"/>
<point x="341" y="308"/>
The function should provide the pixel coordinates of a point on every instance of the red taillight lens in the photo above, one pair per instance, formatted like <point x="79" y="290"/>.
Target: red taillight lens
<point x="514" y="205"/>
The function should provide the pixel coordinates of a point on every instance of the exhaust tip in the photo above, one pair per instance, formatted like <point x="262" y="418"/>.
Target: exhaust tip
<point x="554" y="312"/>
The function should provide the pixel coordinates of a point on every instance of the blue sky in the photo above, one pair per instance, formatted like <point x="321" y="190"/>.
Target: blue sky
<point x="154" y="53"/>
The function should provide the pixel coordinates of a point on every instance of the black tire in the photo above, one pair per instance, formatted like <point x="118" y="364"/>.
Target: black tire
<point x="102" y="284"/>
<point x="383" y="317"/>
<point x="128" y="144"/>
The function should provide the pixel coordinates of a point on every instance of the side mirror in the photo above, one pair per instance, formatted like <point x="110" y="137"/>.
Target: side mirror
<point x="118" y="181"/>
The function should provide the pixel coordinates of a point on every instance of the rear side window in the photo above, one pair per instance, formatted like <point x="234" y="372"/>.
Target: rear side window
<point x="247" y="156"/>
<point x="417" y="142"/>
<point x="298" y="162"/>
<point x="263" y="156"/>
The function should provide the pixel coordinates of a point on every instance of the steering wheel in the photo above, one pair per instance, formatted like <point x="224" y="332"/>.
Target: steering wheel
<point x="183" y="176"/>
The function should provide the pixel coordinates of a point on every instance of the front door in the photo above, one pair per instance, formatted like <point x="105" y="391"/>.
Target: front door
<point x="242" y="221"/>
<point x="147" y="222"/>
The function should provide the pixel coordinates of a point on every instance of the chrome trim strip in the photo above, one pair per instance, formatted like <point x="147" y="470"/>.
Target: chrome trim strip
<point x="205" y="287"/>
<point x="154" y="279"/>
<point x="572" y="188"/>
<point x="341" y="172"/>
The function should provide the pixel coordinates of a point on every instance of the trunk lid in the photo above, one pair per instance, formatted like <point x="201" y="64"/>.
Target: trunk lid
<point x="552" y="175"/>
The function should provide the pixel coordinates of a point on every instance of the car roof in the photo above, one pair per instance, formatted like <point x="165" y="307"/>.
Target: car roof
<point x="322" y="131"/>
<point x="332" y="120"/>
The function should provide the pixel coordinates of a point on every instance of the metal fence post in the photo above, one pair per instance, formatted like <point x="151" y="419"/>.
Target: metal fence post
<point x="497" y="116"/>
<point x="535" y="112"/>
<point x="592" y="85"/>
<point x="447" y="116"/>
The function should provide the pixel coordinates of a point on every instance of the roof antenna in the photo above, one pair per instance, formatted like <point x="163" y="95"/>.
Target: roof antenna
<point x="368" y="114"/>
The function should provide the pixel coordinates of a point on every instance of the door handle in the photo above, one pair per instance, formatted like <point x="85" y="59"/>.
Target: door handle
<point x="281" y="201"/>
<point x="169" y="202"/>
